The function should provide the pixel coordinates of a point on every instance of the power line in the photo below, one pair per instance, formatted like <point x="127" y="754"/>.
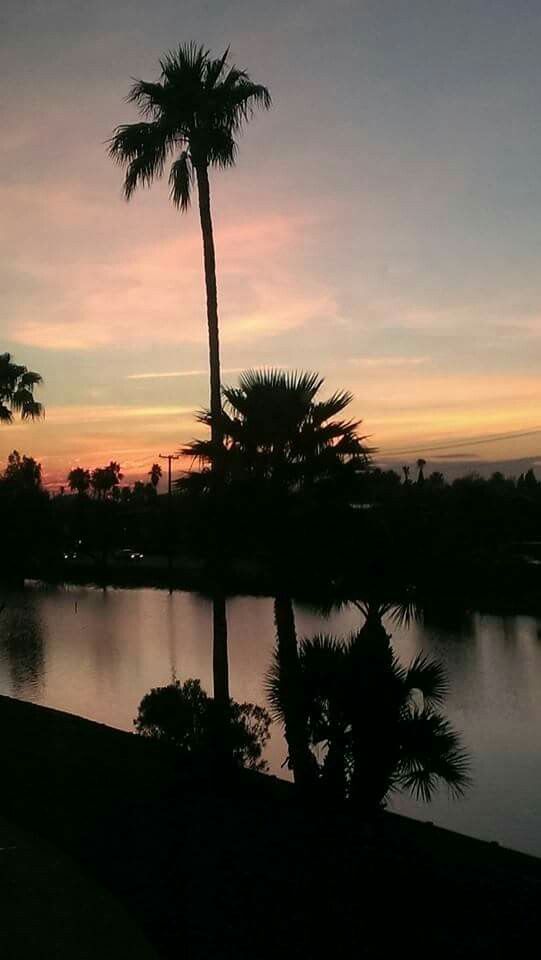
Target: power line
<point x="471" y="442"/>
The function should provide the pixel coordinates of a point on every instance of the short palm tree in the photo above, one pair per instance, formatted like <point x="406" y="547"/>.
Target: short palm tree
<point x="192" y="116"/>
<point x="17" y="391"/>
<point x="374" y="724"/>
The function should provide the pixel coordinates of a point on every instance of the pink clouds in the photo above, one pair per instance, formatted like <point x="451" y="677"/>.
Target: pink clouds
<point x="86" y="281"/>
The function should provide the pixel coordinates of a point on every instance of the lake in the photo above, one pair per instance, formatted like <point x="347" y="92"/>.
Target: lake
<point x="95" y="652"/>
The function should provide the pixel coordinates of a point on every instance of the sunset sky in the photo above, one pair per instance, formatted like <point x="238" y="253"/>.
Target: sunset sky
<point x="383" y="224"/>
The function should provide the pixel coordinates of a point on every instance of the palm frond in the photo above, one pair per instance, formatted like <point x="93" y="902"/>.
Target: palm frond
<point x="337" y="403"/>
<point x="428" y="676"/>
<point x="298" y="382"/>
<point x="214" y="69"/>
<point x="187" y="62"/>
<point x="241" y="97"/>
<point x="221" y="149"/>
<point x="432" y="753"/>
<point x="273" y="683"/>
<point x="180" y="181"/>
<point x="406" y="611"/>
<point x="30" y="379"/>
<point x="150" y="98"/>
<point x="143" y="149"/>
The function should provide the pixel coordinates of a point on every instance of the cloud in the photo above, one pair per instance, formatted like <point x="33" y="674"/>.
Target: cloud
<point x="171" y="374"/>
<point x="168" y="374"/>
<point x="90" y="435"/>
<point x="81" y="278"/>
<point x="389" y="361"/>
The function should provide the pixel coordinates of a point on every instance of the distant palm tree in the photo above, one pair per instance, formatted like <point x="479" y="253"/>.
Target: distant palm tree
<point x="103" y="480"/>
<point x="17" y="391"/>
<point x="155" y="474"/>
<point x="79" y="480"/>
<point x="406" y="472"/>
<point x="421" y="464"/>
<point x="193" y="113"/>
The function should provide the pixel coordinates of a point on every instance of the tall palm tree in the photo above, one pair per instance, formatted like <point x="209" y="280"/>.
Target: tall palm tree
<point x="280" y="438"/>
<point x="17" y="391"/>
<point x="192" y="116"/>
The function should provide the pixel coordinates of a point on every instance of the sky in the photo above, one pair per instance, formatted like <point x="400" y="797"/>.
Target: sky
<point x="382" y="225"/>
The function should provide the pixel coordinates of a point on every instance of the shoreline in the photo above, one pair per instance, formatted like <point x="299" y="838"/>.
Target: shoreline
<point x="191" y="577"/>
<point x="130" y="816"/>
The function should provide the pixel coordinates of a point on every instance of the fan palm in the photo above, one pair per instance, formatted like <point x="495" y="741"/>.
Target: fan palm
<point x="278" y="432"/>
<point x="192" y="116"/>
<point x="282" y="440"/>
<point x="376" y="722"/>
<point x="17" y="391"/>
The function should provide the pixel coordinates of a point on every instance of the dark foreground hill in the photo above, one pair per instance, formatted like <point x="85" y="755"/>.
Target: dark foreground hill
<point x="240" y="869"/>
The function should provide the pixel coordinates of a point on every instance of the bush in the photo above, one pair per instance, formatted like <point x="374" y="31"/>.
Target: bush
<point x="183" y="715"/>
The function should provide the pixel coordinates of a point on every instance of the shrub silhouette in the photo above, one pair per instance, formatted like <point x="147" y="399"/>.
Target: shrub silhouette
<point x="183" y="715"/>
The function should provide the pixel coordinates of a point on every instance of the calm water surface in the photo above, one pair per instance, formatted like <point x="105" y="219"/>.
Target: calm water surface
<point x="96" y="652"/>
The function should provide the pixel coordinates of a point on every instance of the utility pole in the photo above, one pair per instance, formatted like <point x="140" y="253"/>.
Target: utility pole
<point x="169" y="457"/>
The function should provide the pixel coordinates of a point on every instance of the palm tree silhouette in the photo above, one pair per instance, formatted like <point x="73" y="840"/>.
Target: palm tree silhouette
<point x="280" y="440"/>
<point x="17" y="391"/>
<point x="421" y="464"/>
<point x="79" y="480"/>
<point x="193" y="113"/>
<point x="155" y="473"/>
<point x="279" y="434"/>
<point x="376" y="722"/>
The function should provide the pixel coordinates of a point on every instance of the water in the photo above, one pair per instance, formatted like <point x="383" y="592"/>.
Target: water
<point x="96" y="652"/>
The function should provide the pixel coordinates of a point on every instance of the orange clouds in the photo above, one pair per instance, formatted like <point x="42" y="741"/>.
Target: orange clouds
<point x="403" y="408"/>
<point x="91" y="435"/>
<point x="400" y="409"/>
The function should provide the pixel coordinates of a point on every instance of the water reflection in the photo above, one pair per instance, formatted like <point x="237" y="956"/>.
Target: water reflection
<point x="21" y="644"/>
<point x="97" y="652"/>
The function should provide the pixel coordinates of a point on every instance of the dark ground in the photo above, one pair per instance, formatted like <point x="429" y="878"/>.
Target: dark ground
<point x="51" y="910"/>
<point x="241" y="870"/>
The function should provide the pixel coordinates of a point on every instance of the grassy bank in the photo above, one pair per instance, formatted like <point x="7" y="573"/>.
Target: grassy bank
<point x="240" y="869"/>
<point x="51" y="910"/>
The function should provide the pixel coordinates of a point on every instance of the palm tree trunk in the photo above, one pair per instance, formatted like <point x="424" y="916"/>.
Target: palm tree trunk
<point x="296" y="727"/>
<point x="220" y="664"/>
<point x="212" y="313"/>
